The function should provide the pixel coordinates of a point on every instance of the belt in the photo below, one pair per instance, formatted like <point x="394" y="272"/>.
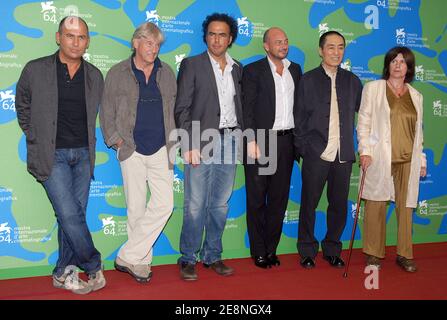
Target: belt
<point x="227" y="130"/>
<point x="283" y="132"/>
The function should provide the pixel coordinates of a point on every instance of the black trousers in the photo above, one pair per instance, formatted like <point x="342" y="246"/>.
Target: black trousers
<point x="267" y="198"/>
<point x="315" y="173"/>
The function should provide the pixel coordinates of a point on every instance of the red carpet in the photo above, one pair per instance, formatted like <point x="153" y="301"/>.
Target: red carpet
<point x="287" y="282"/>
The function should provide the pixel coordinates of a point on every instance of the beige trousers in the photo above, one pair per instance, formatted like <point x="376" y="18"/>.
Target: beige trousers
<point x="374" y="226"/>
<point x="146" y="220"/>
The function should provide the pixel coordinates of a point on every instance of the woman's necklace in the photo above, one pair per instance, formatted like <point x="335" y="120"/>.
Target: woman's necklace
<point x="398" y="91"/>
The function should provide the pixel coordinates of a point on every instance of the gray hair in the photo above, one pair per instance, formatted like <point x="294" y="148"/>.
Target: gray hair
<point x="146" y="30"/>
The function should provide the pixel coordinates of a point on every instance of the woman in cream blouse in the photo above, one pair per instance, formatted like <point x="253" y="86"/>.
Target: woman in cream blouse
<point x="390" y="139"/>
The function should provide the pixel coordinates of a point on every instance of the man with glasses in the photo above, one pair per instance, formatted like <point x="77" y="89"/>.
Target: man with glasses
<point x="208" y="100"/>
<point x="137" y="116"/>
<point x="57" y="103"/>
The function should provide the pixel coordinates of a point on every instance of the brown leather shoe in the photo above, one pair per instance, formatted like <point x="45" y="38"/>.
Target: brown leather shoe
<point x="373" y="261"/>
<point x="220" y="268"/>
<point x="407" y="264"/>
<point x="188" y="271"/>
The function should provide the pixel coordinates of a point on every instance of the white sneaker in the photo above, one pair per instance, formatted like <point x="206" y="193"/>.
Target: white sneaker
<point x="70" y="281"/>
<point x="97" y="280"/>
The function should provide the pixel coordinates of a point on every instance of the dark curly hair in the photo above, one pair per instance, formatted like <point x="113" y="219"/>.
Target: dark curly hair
<point x="222" y="17"/>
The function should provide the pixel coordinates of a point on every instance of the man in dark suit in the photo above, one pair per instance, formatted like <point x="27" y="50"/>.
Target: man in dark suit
<point x="57" y="102"/>
<point x="269" y="103"/>
<point x="328" y="98"/>
<point x="208" y="105"/>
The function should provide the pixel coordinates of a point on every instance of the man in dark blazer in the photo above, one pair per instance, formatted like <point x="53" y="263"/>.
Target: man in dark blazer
<point x="269" y="89"/>
<point x="328" y="98"/>
<point x="57" y="102"/>
<point x="208" y="105"/>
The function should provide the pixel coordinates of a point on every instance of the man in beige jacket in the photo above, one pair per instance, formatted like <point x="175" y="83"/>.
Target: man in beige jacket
<point x="136" y="120"/>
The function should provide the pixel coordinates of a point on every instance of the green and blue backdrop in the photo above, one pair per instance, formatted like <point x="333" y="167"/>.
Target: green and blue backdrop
<point x="28" y="229"/>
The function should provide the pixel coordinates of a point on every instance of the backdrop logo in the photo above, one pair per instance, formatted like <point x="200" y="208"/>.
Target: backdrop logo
<point x="152" y="16"/>
<point x="87" y="56"/>
<point x="48" y="7"/>
<point x="8" y="100"/>
<point x="322" y="28"/>
<point x="346" y="65"/>
<point x="243" y="26"/>
<point x="423" y="207"/>
<point x="439" y="109"/>
<point x="291" y="216"/>
<point x="5" y="232"/>
<point x="400" y="36"/>
<point x="48" y="11"/>
<point x="178" y="184"/>
<point x="419" y="73"/>
<point x="108" y="225"/>
<point x="353" y="207"/>
<point x="381" y="3"/>
<point x="178" y="60"/>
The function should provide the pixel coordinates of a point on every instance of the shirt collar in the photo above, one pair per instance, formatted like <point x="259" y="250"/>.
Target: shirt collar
<point x="230" y="61"/>
<point x="59" y="62"/>
<point x="330" y="74"/>
<point x="157" y="63"/>
<point x="284" y="61"/>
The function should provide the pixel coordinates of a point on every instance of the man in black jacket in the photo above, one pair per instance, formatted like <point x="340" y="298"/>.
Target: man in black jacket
<point x="269" y="102"/>
<point x="328" y="98"/>
<point x="57" y="102"/>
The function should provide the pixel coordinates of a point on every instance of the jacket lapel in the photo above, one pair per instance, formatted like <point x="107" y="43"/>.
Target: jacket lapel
<point x="270" y="82"/>
<point x="52" y="81"/>
<point x="208" y="70"/>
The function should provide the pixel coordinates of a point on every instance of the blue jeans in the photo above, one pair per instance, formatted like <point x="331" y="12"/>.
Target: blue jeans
<point x="208" y="188"/>
<point x="68" y="189"/>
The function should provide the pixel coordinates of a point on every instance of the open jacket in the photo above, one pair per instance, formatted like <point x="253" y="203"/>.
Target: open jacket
<point x="37" y="107"/>
<point x="314" y="108"/>
<point x="119" y="107"/>
<point x="198" y="99"/>
<point x="374" y="138"/>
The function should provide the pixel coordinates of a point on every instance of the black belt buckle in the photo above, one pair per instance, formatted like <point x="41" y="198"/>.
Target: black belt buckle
<point x="283" y="132"/>
<point x="226" y="130"/>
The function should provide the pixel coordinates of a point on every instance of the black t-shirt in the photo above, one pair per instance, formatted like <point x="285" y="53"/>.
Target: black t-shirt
<point x="72" y="113"/>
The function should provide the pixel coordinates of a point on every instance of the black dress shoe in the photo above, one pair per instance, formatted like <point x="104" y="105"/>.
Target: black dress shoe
<point x="335" y="261"/>
<point x="261" y="262"/>
<point x="307" y="262"/>
<point x="273" y="259"/>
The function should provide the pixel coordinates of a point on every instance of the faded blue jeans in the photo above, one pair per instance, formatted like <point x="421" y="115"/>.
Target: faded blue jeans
<point x="68" y="188"/>
<point x="208" y="188"/>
